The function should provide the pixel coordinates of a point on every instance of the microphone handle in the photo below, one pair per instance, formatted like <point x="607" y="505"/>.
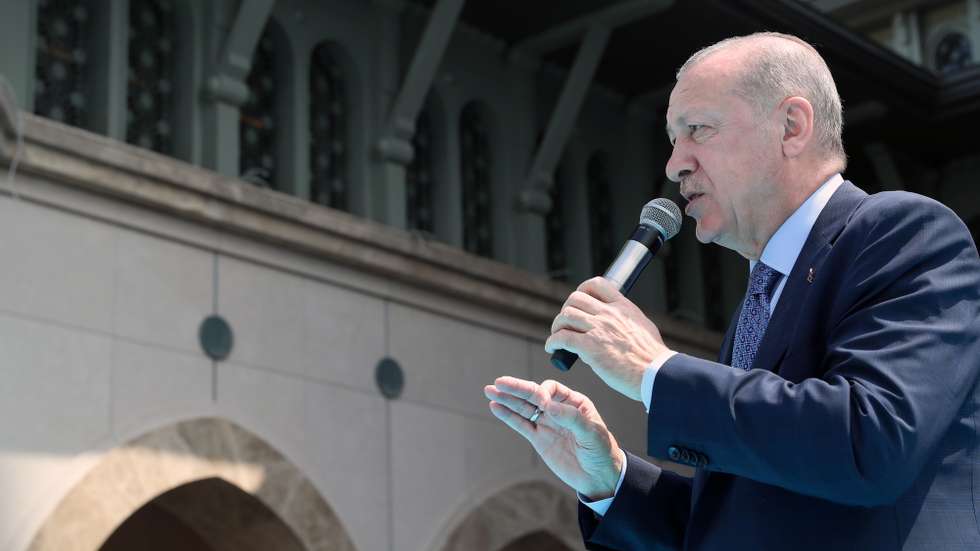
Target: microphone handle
<point x="625" y="270"/>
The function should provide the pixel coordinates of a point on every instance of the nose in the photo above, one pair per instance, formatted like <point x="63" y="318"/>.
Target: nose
<point x="681" y="163"/>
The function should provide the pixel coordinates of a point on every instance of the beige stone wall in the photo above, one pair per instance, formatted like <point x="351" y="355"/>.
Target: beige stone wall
<point x="112" y="256"/>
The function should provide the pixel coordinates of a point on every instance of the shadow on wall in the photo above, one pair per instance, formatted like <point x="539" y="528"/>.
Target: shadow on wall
<point x="207" y="515"/>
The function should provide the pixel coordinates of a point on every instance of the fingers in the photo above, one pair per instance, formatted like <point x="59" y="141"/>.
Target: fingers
<point x="561" y="393"/>
<point x="585" y="302"/>
<point x="521" y="425"/>
<point x="564" y="339"/>
<point x="526" y="390"/>
<point x="572" y="318"/>
<point x="519" y="406"/>
<point x="601" y="288"/>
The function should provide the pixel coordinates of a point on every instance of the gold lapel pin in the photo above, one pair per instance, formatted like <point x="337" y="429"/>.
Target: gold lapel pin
<point x="809" y="276"/>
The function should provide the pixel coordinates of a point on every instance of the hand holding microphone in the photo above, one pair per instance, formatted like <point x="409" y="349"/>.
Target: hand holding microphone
<point x="660" y="220"/>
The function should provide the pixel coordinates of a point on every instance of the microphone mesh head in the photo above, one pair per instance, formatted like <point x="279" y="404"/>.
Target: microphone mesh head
<point x="664" y="215"/>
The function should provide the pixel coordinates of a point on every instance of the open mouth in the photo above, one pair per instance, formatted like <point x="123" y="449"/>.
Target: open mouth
<point x="690" y="201"/>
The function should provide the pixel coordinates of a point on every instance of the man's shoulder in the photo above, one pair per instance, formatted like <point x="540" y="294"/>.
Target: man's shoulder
<point x="891" y="209"/>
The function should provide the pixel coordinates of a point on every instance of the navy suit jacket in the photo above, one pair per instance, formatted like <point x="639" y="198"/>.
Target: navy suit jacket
<point x="856" y="428"/>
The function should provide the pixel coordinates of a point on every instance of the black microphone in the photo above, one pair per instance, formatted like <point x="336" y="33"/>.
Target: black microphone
<point x="659" y="221"/>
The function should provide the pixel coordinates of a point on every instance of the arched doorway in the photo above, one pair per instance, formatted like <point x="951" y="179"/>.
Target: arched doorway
<point x="211" y="481"/>
<point x="207" y="515"/>
<point x="527" y="515"/>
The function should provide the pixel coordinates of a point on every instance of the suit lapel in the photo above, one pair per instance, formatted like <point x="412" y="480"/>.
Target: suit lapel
<point x="825" y="230"/>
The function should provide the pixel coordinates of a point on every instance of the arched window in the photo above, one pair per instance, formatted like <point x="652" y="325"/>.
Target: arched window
<point x="150" y="98"/>
<point x="62" y="84"/>
<point x="329" y="184"/>
<point x="475" y="158"/>
<point x="600" y="212"/>
<point x="555" y="231"/>
<point x="953" y="52"/>
<point x="258" y="129"/>
<point x="419" y="177"/>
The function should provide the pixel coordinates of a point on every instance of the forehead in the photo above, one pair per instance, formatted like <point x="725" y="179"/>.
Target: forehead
<point x="704" y="90"/>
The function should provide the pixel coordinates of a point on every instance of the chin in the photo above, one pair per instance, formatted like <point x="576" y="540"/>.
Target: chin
<point x="705" y="235"/>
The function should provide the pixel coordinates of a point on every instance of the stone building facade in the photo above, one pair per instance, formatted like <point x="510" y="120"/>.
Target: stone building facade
<point x="377" y="206"/>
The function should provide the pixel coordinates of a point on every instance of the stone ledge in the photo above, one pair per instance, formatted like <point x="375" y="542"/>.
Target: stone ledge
<point x="75" y="157"/>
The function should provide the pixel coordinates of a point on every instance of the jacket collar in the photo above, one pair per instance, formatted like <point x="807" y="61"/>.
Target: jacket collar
<point x="831" y="221"/>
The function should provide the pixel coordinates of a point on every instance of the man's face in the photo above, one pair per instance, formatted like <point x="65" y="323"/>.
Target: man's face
<point x="725" y="155"/>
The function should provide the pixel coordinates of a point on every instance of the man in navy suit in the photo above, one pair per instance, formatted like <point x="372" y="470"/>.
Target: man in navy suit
<point x="844" y="410"/>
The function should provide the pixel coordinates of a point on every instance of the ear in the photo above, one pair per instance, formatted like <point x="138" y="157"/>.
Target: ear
<point x="797" y="115"/>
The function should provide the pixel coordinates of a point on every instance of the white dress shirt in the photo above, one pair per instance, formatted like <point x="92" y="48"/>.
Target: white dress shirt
<point x="780" y="254"/>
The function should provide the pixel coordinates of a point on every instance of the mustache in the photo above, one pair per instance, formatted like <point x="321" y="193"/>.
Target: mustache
<point x="689" y="186"/>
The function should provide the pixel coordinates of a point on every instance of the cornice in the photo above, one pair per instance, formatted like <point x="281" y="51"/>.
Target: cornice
<point x="72" y="157"/>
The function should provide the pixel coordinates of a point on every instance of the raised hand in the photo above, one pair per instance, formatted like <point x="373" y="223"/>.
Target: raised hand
<point x="568" y="434"/>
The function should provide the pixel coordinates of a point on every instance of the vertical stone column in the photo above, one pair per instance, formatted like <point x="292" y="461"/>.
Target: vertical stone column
<point x="395" y="144"/>
<point x="110" y="26"/>
<point x="236" y="29"/>
<point x="578" y="238"/>
<point x="973" y="27"/>
<point x="449" y="203"/>
<point x="533" y="199"/>
<point x="528" y="236"/>
<point x="387" y="196"/>
<point x="906" y="39"/>
<point x="18" y="26"/>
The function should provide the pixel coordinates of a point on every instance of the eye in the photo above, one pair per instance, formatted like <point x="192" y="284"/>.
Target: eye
<point x="697" y="131"/>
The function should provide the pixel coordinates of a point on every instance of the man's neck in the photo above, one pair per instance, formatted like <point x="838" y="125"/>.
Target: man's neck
<point x="796" y="192"/>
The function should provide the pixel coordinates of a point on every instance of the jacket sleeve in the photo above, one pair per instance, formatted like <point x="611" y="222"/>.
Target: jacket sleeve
<point x="650" y="511"/>
<point x="901" y="357"/>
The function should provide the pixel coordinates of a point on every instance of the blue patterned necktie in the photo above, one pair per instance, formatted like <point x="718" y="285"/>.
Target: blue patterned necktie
<point x="754" y="318"/>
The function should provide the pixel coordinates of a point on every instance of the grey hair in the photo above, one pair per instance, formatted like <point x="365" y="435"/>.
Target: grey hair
<point x="777" y="71"/>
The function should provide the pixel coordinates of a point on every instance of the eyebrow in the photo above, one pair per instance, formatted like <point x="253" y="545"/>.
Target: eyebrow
<point x="681" y="120"/>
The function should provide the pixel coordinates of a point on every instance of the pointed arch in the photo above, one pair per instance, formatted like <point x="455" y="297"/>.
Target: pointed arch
<point x="173" y="456"/>
<point x="528" y="509"/>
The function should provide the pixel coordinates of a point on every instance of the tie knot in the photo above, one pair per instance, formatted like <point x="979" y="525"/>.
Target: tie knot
<point x="763" y="280"/>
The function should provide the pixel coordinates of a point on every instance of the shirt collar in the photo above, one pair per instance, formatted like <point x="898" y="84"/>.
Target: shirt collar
<point x="785" y="245"/>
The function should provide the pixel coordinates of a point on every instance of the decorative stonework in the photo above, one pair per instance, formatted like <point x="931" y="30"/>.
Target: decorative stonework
<point x="519" y="510"/>
<point x="132" y="475"/>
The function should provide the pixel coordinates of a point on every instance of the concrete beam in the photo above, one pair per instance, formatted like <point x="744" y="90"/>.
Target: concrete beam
<point x="563" y="120"/>
<point x="611" y="17"/>
<point x="396" y="142"/>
